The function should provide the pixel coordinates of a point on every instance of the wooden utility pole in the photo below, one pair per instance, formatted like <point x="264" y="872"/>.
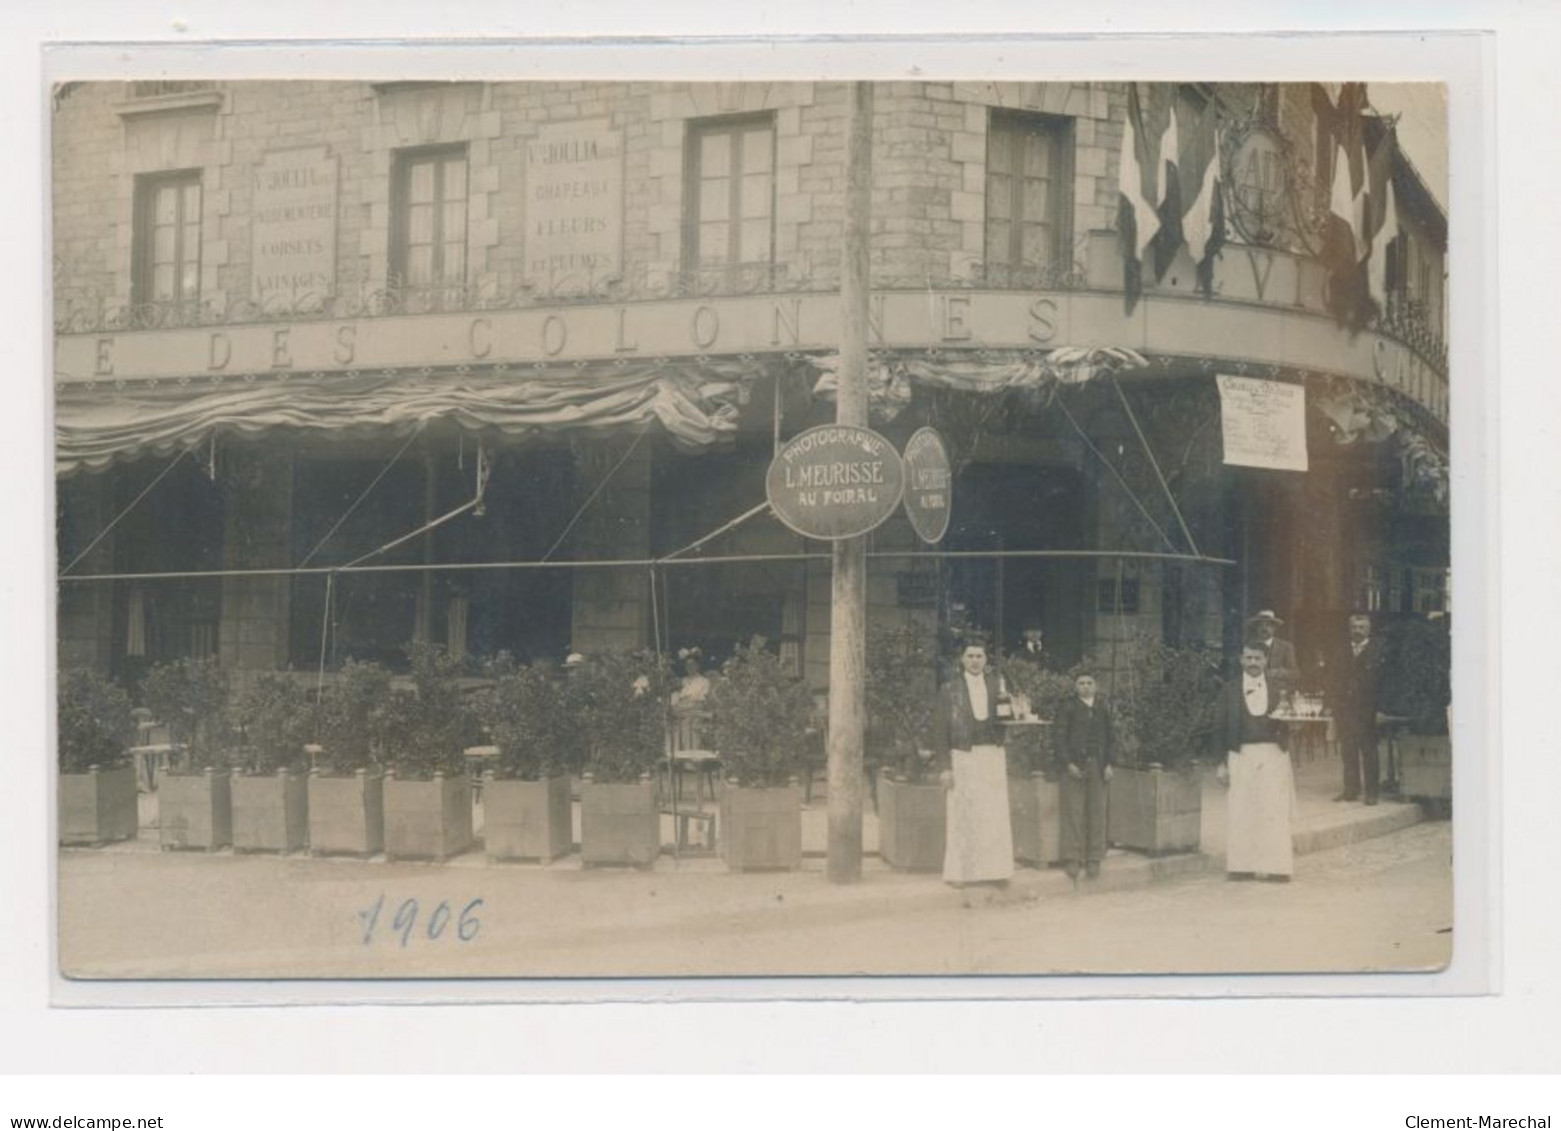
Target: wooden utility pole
<point x="848" y="594"/>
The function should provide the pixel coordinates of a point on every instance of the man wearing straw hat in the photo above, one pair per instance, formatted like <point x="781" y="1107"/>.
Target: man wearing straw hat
<point x="1263" y="628"/>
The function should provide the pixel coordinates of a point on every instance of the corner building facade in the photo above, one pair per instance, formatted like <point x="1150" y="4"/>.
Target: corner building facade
<point x="344" y="365"/>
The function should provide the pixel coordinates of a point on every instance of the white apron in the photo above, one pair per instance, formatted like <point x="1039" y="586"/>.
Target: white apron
<point x="980" y="842"/>
<point x="1259" y="811"/>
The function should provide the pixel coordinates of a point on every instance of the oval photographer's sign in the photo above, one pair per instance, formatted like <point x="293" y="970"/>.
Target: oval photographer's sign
<point x="929" y="485"/>
<point x="835" y="481"/>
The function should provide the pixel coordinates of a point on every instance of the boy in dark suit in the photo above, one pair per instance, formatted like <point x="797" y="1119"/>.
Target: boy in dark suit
<point x="1085" y="746"/>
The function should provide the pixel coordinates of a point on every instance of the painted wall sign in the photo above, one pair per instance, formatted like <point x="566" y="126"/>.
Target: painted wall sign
<point x="675" y="328"/>
<point x="929" y="485"/>
<point x="835" y="481"/>
<point x="294" y="228"/>
<point x="1264" y="423"/>
<point x="574" y="206"/>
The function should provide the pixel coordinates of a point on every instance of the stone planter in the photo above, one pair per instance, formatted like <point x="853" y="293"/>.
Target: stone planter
<point x="1425" y="769"/>
<point x="195" y="811"/>
<point x="762" y="828"/>
<point x="526" y="820"/>
<point x="1035" y="807"/>
<point x="98" y="806"/>
<point x="1154" y="811"/>
<point x="428" y="819"/>
<point x="912" y="823"/>
<point x="270" y="812"/>
<point x="346" y="814"/>
<point x="620" y="823"/>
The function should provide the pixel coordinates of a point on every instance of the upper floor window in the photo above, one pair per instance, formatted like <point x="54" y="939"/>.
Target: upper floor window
<point x="1029" y="180"/>
<point x="730" y="210"/>
<point x="168" y="238"/>
<point x="428" y="230"/>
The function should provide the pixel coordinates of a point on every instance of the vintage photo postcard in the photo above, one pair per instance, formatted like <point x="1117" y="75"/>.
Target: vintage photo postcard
<point x="623" y="529"/>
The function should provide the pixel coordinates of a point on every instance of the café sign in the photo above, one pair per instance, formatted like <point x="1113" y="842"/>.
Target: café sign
<point x="835" y="481"/>
<point x="929" y="485"/>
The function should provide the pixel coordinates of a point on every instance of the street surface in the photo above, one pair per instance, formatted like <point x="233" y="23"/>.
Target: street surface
<point x="1379" y="904"/>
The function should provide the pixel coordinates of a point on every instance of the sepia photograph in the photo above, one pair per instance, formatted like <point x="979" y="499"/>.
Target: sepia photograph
<point x="646" y="529"/>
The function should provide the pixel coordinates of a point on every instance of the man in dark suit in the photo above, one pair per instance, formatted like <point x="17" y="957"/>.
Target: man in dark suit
<point x="1282" y="667"/>
<point x="1355" y="710"/>
<point x="1085" y="746"/>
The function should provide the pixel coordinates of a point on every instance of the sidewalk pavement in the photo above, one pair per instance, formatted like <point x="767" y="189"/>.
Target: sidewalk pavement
<point x="1321" y="823"/>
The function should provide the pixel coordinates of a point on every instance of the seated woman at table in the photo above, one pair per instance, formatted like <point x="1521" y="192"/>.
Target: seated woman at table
<point x="694" y="688"/>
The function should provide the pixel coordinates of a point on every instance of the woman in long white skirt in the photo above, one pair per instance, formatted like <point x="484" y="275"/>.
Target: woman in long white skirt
<point x="1261" y="805"/>
<point x="979" y="847"/>
<point x="980" y="843"/>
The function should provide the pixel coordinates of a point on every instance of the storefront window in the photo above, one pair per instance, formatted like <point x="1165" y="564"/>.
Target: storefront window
<point x="344" y="509"/>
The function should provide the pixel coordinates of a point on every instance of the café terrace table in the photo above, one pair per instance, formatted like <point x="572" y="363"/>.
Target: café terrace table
<point x="1308" y="734"/>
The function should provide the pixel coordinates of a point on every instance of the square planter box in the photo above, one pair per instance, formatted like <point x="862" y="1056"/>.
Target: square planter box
<point x="762" y="828"/>
<point x="620" y="823"/>
<point x="428" y="819"/>
<point x="526" y="820"/>
<point x="347" y="814"/>
<point x="1425" y="767"/>
<point x="1035" y="806"/>
<point x="195" y="811"/>
<point x="1154" y="811"/>
<point x="270" y="812"/>
<point x="98" y="806"/>
<point x="912" y="824"/>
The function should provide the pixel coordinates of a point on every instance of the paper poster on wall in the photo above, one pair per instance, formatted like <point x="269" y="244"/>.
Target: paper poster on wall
<point x="1264" y="423"/>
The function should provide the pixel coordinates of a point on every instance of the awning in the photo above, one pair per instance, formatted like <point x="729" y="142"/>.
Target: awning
<point x="889" y="381"/>
<point x="695" y="400"/>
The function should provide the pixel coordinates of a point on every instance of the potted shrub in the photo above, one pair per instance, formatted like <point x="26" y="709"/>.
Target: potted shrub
<point x="526" y="808"/>
<point x="97" y="802"/>
<point x="346" y="795"/>
<point x="759" y="721"/>
<point x="1165" y="706"/>
<point x="194" y="802"/>
<point x="1417" y="685"/>
<point x="1034" y="796"/>
<point x="620" y="700"/>
<point x="901" y="698"/>
<point x="270" y="785"/>
<point x="428" y="796"/>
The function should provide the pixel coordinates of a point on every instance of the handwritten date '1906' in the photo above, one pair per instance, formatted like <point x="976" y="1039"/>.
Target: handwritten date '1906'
<point x="442" y="922"/>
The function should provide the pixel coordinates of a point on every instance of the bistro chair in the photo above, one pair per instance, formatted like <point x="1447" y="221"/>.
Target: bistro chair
<point x="688" y="756"/>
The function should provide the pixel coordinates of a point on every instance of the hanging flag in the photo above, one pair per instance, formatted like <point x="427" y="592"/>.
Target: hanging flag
<point x="1140" y="178"/>
<point x="1323" y="133"/>
<point x="1383" y="223"/>
<point x="1346" y="239"/>
<point x="1168" y="237"/>
<point x="1202" y="224"/>
<point x="1341" y="202"/>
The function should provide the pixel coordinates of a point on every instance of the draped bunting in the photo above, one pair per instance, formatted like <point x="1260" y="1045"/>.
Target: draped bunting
<point x="696" y="403"/>
<point x="889" y="382"/>
<point x="1361" y="412"/>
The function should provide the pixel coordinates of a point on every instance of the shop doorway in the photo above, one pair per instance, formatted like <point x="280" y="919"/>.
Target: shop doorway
<point x="1007" y="507"/>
